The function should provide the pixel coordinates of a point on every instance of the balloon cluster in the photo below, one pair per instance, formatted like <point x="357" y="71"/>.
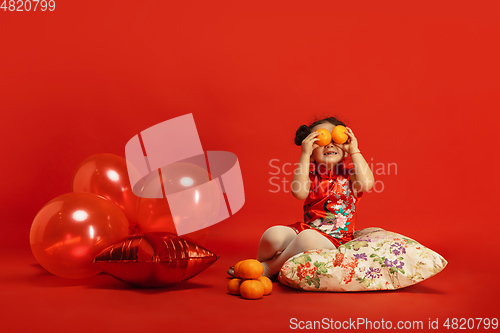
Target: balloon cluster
<point x="72" y="229"/>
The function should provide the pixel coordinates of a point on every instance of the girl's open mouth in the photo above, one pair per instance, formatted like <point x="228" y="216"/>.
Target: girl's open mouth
<point x="330" y="153"/>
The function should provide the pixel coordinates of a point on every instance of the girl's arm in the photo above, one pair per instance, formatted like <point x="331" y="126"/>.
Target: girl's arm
<point x="301" y="183"/>
<point x="362" y="179"/>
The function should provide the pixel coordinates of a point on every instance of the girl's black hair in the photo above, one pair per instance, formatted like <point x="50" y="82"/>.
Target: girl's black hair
<point x="305" y="130"/>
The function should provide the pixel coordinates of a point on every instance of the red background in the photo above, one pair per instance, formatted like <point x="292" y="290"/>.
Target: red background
<point x="417" y="82"/>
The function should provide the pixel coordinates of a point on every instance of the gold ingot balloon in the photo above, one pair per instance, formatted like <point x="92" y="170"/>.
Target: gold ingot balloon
<point x="156" y="259"/>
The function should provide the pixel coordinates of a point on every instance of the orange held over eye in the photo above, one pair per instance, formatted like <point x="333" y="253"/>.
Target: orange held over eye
<point x="252" y="289"/>
<point x="250" y="269"/>
<point x="324" y="137"/>
<point x="234" y="286"/>
<point x="338" y="134"/>
<point x="268" y="285"/>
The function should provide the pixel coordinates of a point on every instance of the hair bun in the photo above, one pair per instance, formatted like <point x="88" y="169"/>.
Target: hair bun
<point x="301" y="134"/>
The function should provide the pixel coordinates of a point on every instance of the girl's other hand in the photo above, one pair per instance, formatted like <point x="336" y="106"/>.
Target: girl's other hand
<point x="309" y="143"/>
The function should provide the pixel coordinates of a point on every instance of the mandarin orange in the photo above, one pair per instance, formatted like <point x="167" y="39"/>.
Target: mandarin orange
<point x="266" y="282"/>
<point x="234" y="286"/>
<point x="338" y="134"/>
<point x="252" y="289"/>
<point x="237" y="269"/>
<point x="250" y="269"/>
<point x="325" y="137"/>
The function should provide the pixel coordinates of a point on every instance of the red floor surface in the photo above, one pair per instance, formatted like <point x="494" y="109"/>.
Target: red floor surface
<point x="416" y="81"/>
<point x="35" y="300"/>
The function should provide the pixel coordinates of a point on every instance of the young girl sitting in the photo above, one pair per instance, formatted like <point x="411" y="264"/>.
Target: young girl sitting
<point x="331" y="192"/>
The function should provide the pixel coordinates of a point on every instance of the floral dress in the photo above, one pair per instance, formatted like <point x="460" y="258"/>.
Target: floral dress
<point x="330" y="207"/>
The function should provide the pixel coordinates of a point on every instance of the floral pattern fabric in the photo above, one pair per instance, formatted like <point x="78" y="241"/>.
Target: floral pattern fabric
<point x="375" y="259"/>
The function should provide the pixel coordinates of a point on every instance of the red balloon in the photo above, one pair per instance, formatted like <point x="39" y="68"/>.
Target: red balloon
<point x="107" y="176"/>
<point x="156" y="259"/>
<point x="70" y="230"/>
<point x="154" y="215"/>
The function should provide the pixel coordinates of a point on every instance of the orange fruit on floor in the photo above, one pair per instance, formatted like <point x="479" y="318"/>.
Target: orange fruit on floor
<point x="250" y="269"/>
<point x="338" y="134"/>
<point x="266" y="282"/>
<point x="251" y="289"/>
<point x="325" y="137"/>
<point x="237" y="268"/>
<point x="234" y="286"/>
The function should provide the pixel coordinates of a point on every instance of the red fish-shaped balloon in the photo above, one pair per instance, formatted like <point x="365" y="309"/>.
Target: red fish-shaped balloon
<point x="156" y="259"/>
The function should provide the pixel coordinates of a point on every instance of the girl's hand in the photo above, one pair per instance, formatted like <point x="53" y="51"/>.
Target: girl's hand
<point x="351" y="145"/>
<point x="309" y="143"/>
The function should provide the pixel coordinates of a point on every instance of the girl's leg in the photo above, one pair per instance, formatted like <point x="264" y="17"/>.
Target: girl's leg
<point x="305" y="241"/>
<point x="273" y="240"/>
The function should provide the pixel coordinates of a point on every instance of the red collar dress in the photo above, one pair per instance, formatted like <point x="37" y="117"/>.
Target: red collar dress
<point x="330" y="207"/>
